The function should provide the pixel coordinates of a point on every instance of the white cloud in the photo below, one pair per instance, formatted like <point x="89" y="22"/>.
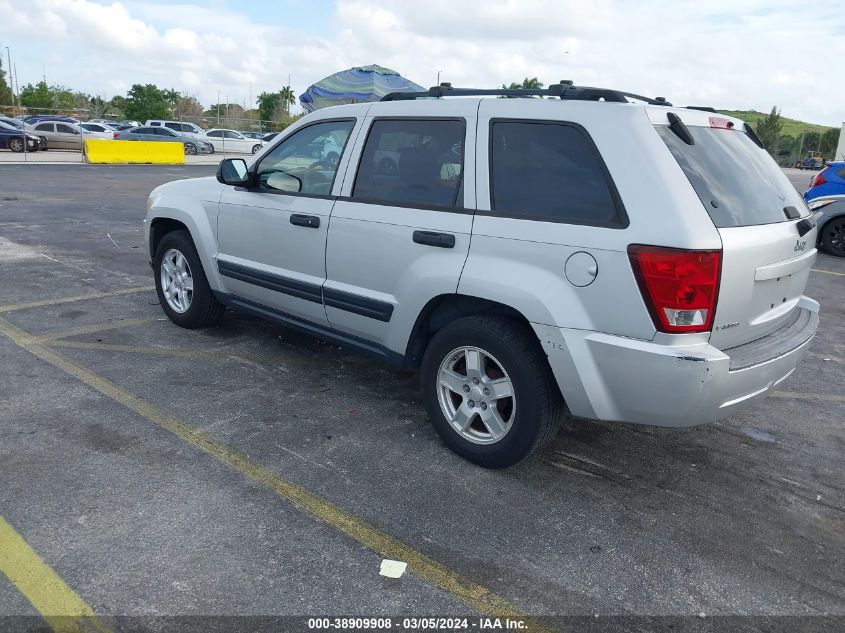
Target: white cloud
<point x="727" y="53"/>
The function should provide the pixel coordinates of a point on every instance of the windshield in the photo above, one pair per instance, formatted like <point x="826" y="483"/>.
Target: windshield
<point x="738" y="183"/>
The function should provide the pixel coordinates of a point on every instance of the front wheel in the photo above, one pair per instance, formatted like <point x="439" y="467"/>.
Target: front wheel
<point x="181" y="284"/>
<point x="833" y="237"/>
<point x="488" y="390"/>
<point x="16" y="145"/>
<point x="255" y="148"/>
<point x="190" y="149"/>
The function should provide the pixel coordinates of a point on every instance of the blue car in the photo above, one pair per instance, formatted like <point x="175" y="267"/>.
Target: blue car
<point x="14" y="139"/>
<point x="826" y="196"/>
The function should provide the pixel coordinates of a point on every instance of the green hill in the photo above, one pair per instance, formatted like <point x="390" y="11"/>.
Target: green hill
<point x="791" y="127"/>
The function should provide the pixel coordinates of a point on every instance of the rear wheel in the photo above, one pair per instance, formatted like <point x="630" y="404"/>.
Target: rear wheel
<point x="488" y="390"/>
<point x="16" y="145"/>
<point x="255" y="148"/>
<point x="181" y="284"/>
<point x="833" y="237"/>
<point x="190" y="149"/>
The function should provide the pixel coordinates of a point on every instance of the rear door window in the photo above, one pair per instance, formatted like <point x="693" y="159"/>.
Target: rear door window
<point x="550" y="172"/>
<point x="416" y="163"/>
<point x="738" y="182"/>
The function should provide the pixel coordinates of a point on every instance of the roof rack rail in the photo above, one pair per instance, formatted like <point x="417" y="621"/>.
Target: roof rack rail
<point x="564" y="90"/>
<point x="702" y="108"/>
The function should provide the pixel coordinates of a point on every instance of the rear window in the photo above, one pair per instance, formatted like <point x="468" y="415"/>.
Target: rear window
<point x="549" y="172"/>
<point x="738" y="183"/>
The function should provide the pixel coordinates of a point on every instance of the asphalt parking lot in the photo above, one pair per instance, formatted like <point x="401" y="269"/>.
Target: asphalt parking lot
<point x="249" y="470"/>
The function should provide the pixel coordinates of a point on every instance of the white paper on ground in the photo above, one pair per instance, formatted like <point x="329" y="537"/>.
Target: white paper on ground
<point x="392" y="568"/>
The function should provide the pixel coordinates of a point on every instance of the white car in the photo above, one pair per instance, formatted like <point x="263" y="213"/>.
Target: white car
<point x="183" y="128"/>
<point x="97" y="130"/>
<point x="233" y="141"/>
<point x="640" y="263"/>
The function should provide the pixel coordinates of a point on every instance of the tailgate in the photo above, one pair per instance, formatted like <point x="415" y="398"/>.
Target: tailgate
<point x="764" y="271"/>
<point x="758" y="213"/>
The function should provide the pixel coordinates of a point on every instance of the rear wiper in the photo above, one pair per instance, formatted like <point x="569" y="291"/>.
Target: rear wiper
<point x="679" y="128"/>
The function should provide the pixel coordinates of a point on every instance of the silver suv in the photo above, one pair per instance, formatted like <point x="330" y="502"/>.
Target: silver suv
<point x="636" y="261"/>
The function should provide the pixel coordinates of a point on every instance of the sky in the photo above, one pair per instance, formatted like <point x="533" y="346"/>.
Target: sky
<point x="735" y="54"/>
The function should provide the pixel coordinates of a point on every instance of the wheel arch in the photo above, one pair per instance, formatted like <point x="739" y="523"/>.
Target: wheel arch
<point x="442" y="310"/>
<point x="202" y="233"/>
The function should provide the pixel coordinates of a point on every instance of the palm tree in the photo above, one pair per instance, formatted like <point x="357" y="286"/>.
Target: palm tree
<point x="288" y="98"/>
<point x="533" y="83"/>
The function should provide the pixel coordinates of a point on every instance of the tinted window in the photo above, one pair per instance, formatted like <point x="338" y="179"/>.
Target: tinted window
<point x="65" y="129"/>
<point x="304" y="161"/>
<point x="215" y="134"/>
<point x="549" y="172"/>
<point x="165" y="132"/>
<point x="144" y="130"/>
<point x="738" y="183"/>
<point x="155" y="123"/>
<point x="412" y="163"/>
<point x="173" y="126"/>
<point x="45" y="127"/>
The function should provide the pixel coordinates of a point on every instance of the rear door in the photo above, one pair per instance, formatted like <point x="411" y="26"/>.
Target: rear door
<point x="759" y="215"/>
<point x="400" y="236"/>
<point x="68" y="136"/>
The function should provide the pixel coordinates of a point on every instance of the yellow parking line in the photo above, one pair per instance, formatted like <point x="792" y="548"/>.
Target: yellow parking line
<point x="57" y="603"/>
<point x="95" y="328"/>
<point x="827" y="272"/>
<point x="825" y="397"/>
<point x="430" y="571"/>
<point x="60" y="300"/>
<point x="171" y="351"/>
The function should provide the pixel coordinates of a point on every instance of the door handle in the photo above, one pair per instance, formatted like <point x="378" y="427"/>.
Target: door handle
<point x="310" y="221"/>
<point x="430" y="238"/>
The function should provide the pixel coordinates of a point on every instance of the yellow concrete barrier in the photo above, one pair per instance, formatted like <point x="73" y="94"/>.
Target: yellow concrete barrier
<point x="153" y="152"/>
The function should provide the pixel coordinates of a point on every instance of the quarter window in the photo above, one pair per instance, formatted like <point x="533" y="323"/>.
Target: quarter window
<point x="548" y="172"/>
<point x="306" y="161"/>
<point x="412" y="162"/>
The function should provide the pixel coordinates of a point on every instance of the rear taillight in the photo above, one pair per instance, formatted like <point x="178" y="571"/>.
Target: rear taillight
<point x="115" y="134"/>
<point x="679" y="287"/>
<point x="818" y="180"/>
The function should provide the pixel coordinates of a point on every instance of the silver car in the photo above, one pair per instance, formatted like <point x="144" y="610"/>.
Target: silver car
<point x="631" y="262"/>
<point x="163" y="134"/>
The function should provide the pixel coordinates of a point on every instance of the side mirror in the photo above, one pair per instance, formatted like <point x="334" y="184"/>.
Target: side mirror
<point x="233" y="171"/>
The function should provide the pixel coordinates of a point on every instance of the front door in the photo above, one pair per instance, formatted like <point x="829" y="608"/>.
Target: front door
<point x="272" y="237"/>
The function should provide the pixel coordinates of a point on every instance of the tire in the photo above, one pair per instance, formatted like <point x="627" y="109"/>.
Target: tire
<point x="16" y="145"/>
<point x="203" y="309"/>
<point x="832" y="236"/>
<point x="190" y="149"/>
<point x="255" y="149"/>
<point x="532" y="414"/>
<point x="212" y="148"/>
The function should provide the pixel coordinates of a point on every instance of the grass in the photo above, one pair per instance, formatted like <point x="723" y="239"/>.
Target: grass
<point x="791" y="127"/>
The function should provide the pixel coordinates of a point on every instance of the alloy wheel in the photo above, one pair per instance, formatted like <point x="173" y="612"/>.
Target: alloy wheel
<point x="476" y="395"/>
<point x="177" y="283"/>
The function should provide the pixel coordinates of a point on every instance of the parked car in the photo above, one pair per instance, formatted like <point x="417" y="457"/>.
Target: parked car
<point x="59" y="135"/>
<point x="826" y="196"/>
<point x="32" y="119"/>
<point x="144" y="133"/>
<point x="15" y="123"/>
<point x="13" y="138"/>
<point x="255" y="135"/>
<point x="99" y="129"/>
<point x="183" y="128"/>
<point x="269" y="137"/>
<point x="517" y="256"/>
<point x="232" y="141"/>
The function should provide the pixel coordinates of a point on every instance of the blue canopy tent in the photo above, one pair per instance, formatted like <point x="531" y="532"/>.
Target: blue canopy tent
<point x="355" y="85"/>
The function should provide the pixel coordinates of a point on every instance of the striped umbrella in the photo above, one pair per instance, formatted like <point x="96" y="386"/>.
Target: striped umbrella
<point x="355" y="85"/>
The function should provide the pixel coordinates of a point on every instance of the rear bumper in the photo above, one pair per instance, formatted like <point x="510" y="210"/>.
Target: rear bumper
<point x="608" y="377"/>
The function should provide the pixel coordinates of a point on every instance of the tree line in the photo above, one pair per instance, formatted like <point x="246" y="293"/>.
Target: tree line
<point x="147" y="101"/>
